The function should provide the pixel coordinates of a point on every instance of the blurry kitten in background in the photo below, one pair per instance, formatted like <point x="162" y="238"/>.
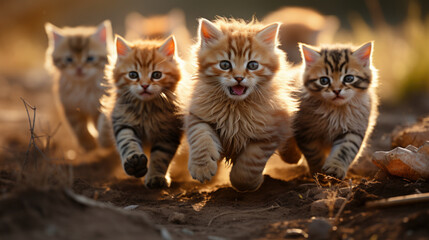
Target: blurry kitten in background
<point x="302" y="25"/>
<point x="76" y="57"/>
<point x="145" y="109"/>
<point x="160" y="27"/>
<point x="338" y="106"/>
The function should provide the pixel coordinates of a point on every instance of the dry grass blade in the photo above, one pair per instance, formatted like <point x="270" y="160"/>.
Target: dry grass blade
<point x="400" y="200"/>
<point x="32" y="143"/>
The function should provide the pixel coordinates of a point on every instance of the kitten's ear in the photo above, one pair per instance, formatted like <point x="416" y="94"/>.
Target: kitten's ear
<point x="122" y="47"/>
<point x="104" y="31"/>
<point x="168" y="48"/>
<point x="309" y="55"/>
<point x="208" y="32"/>
<point x="54" y="34"/>
<point x="268" y="35"/>
<point x="364" y="53"/>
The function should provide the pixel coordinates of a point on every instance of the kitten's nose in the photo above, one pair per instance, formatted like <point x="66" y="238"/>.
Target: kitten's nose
<point x="239" y="79"/>
<point x="79" y="71"/>
<point x="337" y="92"/>
<point x="145" y="86"/>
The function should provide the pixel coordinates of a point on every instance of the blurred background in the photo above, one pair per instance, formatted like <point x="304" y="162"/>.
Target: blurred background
<point x="399" y="28"/>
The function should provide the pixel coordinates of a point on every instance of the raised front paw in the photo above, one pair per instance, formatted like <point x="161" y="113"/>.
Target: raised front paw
<point x="155" y="182"/>
<point x="203" y="171"/>
<point x="136" y="165"/>
<point x="334" y="169"/>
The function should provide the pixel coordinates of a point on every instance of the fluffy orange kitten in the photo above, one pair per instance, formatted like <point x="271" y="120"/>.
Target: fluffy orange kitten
<point x="146" y="109"/>
<point x="338" y="106"/>
<point x="240" y="108"/>
<point x="160" y="27"/>
<point x="76" y="56"/>
<point x="302" y="25"/>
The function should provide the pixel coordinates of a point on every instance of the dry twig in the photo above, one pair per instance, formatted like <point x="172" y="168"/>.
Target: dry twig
<point x="400" y="200"/>
<point x="337" y="216"/>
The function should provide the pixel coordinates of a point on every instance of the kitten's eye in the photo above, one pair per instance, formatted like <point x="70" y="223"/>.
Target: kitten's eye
<point x="90" y="59"/>
<point x="156" y="75"/>
<point x="324" y="80"/>
<point x="349" y="78"/>
<point x="252" y="65"/>
<point x="225" y="65"/>
<point x="133" y="75"/>
<point x="69" y="59"/>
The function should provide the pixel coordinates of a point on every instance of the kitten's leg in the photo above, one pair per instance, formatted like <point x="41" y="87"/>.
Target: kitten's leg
<point x="314" y="153"/>
<point x="246" y="173"/>
<point x="128" y="144"/>
<point x="289" y="151"/>
<point x="79" y="124"/>
<point x="344" y="151"/>
<point x="105" y="131"/>
<point x="161" y="155"/>
<point x="204" y="149"/>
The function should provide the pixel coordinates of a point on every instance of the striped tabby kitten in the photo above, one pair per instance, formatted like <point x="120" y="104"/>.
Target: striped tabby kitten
<point x="239" y="109"/>
<point x="146" y="110"/>
<point x="77" y="57"/>
<point x="338" y="106"/>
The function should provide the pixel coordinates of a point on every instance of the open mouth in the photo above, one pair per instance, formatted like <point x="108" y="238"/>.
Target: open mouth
<point x="237" y="90"/>
<point x="337" y="98"/>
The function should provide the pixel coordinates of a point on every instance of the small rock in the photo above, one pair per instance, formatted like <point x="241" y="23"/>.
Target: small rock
<point x="343" y="192"/>
<point x="178" y="218"/>
<point x="321" y="207"/>
<point x="296" y="233"/>
<point x="410" y="162"/>
<point x="319" y="229"/>
<point x="316" y="191"/>
<point x="215" y="238"/>
<point x="131" y="207"/>
<point x="416" y="134"/>
<point x="187" y="231"/>
<point x="322" y="195"/>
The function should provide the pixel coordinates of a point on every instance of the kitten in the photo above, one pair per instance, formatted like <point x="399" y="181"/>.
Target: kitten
<point x="338" y="106"/>
<point x="311" y="29"/>
<point x="160" y="27"/>
<point x="146" y="110"/>
<point x="76" y="57"/>
<point x="239" y="109"/>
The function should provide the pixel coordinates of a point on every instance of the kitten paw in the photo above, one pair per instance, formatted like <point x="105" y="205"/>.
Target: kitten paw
<point x="203" y="172"/>
<point x="136" y="165"/>
<point x="155" y="182"/>
<point x="334" y="171"/>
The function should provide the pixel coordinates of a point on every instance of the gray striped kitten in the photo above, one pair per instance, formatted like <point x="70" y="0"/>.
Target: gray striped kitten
<point x="146" y="108"/>
<point x="338" y="106"/>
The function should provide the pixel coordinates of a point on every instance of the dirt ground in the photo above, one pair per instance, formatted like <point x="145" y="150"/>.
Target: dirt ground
<point x="44" y="200"/>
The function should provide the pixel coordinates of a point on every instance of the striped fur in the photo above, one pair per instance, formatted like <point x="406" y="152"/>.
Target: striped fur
<point x="146" y="118"/>
<point x="336" y="117"/>
<point x="243" y="126"/>
<point x="77" y="57"/>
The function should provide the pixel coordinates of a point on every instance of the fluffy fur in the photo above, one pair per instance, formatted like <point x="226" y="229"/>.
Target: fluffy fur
<point x="146" y="109"/>
<point x="239" y="110"/>
<point x="338" y="106"/>
<point x="302" y="25"/>
<point x="160" y="27"/>
<point x="77" y="57"/>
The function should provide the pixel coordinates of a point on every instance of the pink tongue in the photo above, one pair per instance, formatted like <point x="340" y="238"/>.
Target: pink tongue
<point x="238" y="89"/>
